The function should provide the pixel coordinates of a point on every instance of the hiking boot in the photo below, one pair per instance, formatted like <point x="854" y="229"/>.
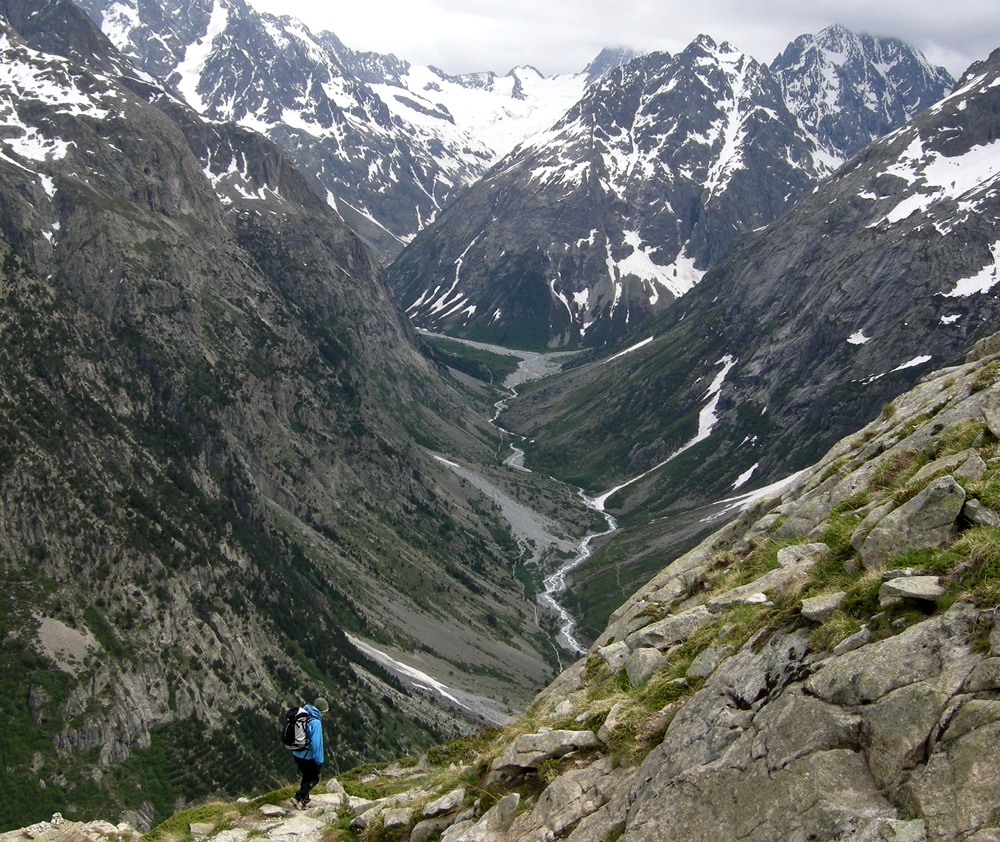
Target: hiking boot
<point x="297" y="803"/>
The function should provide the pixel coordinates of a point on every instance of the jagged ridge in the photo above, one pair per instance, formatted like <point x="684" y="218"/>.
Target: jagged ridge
<point x="590" y="228"/>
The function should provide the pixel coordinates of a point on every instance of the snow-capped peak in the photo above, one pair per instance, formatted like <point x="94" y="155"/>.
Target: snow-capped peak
<point x="850" y="89"/>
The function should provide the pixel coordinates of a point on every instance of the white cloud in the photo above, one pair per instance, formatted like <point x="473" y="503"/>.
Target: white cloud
<point x="460" y="36"/>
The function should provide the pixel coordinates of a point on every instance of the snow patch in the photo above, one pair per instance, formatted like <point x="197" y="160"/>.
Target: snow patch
<point x="982" y="281"/>
<point x="916" y="361"/>
<point x="420" y="679"/>
<point x="744" y="478"/>
<point x="196" y="56"/>
<point x="707" y="420"/>
<point x="938" y="178"/>
<point x="677" y="278"/>
<point x="748" y="499"/>
<point x="630" y="349"/>
<point x="118" y="22"/>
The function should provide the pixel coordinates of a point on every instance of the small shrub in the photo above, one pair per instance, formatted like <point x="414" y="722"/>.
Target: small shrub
<point x="594" y="668"/>
<point x="763" y="559"/>
<point x="549" y="770"/>
<point x="654" y="727"/>
<point x="861" y="601"/>
<point x="888" y="410"/>
<point x="986" y="490"/>
<point x="830" y="572"/>
<point x="464" y="750"/>
<point x="959" y="437"/>
<point x="833" y="468"/>
<point x="851" y="504"/>
<point x="982" y="545"/>
<point x="614" y="833"/>
<point x="928" y="561"/>
<point x="741" y="622"/>
<point x="663" y="688"/>
<point x="176" y="828"/>
<point x="622" y="742"/>
<point x="896" y="468"/>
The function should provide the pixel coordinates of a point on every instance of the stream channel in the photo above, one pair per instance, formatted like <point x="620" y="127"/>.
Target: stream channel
<point x="534" y="366"/>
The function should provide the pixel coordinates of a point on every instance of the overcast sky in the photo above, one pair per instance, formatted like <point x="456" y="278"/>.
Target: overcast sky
<point x="562" y="36"/>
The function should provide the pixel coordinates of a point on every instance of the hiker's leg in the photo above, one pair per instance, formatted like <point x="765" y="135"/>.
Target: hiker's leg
<point x="310" y="777"/>
<point x="313" y="778"/>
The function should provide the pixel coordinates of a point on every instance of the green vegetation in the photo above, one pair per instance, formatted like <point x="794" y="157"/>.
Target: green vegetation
<point x="144" y="505"/>
<point x="969" y="567"/>
<point x="639" y="716"/>
<point x="487" y="366"/>
<point x="986" y="376"/>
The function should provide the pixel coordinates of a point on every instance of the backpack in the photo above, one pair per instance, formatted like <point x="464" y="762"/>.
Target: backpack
<point x="294" y="734"/>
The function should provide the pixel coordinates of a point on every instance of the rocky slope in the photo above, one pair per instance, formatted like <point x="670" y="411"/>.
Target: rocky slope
<point x="387" y="143"/>
<point x="588" y="229"/>
<point x="826" y="666"/>
<point x="217" y="438"/>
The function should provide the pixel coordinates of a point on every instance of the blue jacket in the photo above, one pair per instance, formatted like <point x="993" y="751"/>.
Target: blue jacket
<point x="314" y="727"/>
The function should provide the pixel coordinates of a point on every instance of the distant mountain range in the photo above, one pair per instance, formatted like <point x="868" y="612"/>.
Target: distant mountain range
<point x="385" y="142"/>
<point x="590" y="228"/>
<point x="618" y="187"/>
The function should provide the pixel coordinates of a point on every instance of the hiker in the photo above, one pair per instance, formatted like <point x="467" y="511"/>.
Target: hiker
<point x="310" y="759"/>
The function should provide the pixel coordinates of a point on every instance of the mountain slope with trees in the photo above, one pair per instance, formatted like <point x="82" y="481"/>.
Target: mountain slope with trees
<point x="824" y="667"/>
<point x="218" y="458"/>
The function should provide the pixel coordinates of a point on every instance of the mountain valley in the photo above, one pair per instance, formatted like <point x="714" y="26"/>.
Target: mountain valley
<point x="221" y="458"/>
<point x="884" y="272"/>
<point x="235" y="474"/>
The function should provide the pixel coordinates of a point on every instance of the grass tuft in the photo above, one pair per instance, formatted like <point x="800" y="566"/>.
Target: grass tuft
<point x="986" y="377"/>
<point x="982" y="579"/>
<point x="837" y="628"/>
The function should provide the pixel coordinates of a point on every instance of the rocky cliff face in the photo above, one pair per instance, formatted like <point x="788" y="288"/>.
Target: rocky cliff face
<point x="273" y="75"/>
<point x="619" y="209"/>
<point x="849" y="90"/>
<point x="215" y="441"/>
